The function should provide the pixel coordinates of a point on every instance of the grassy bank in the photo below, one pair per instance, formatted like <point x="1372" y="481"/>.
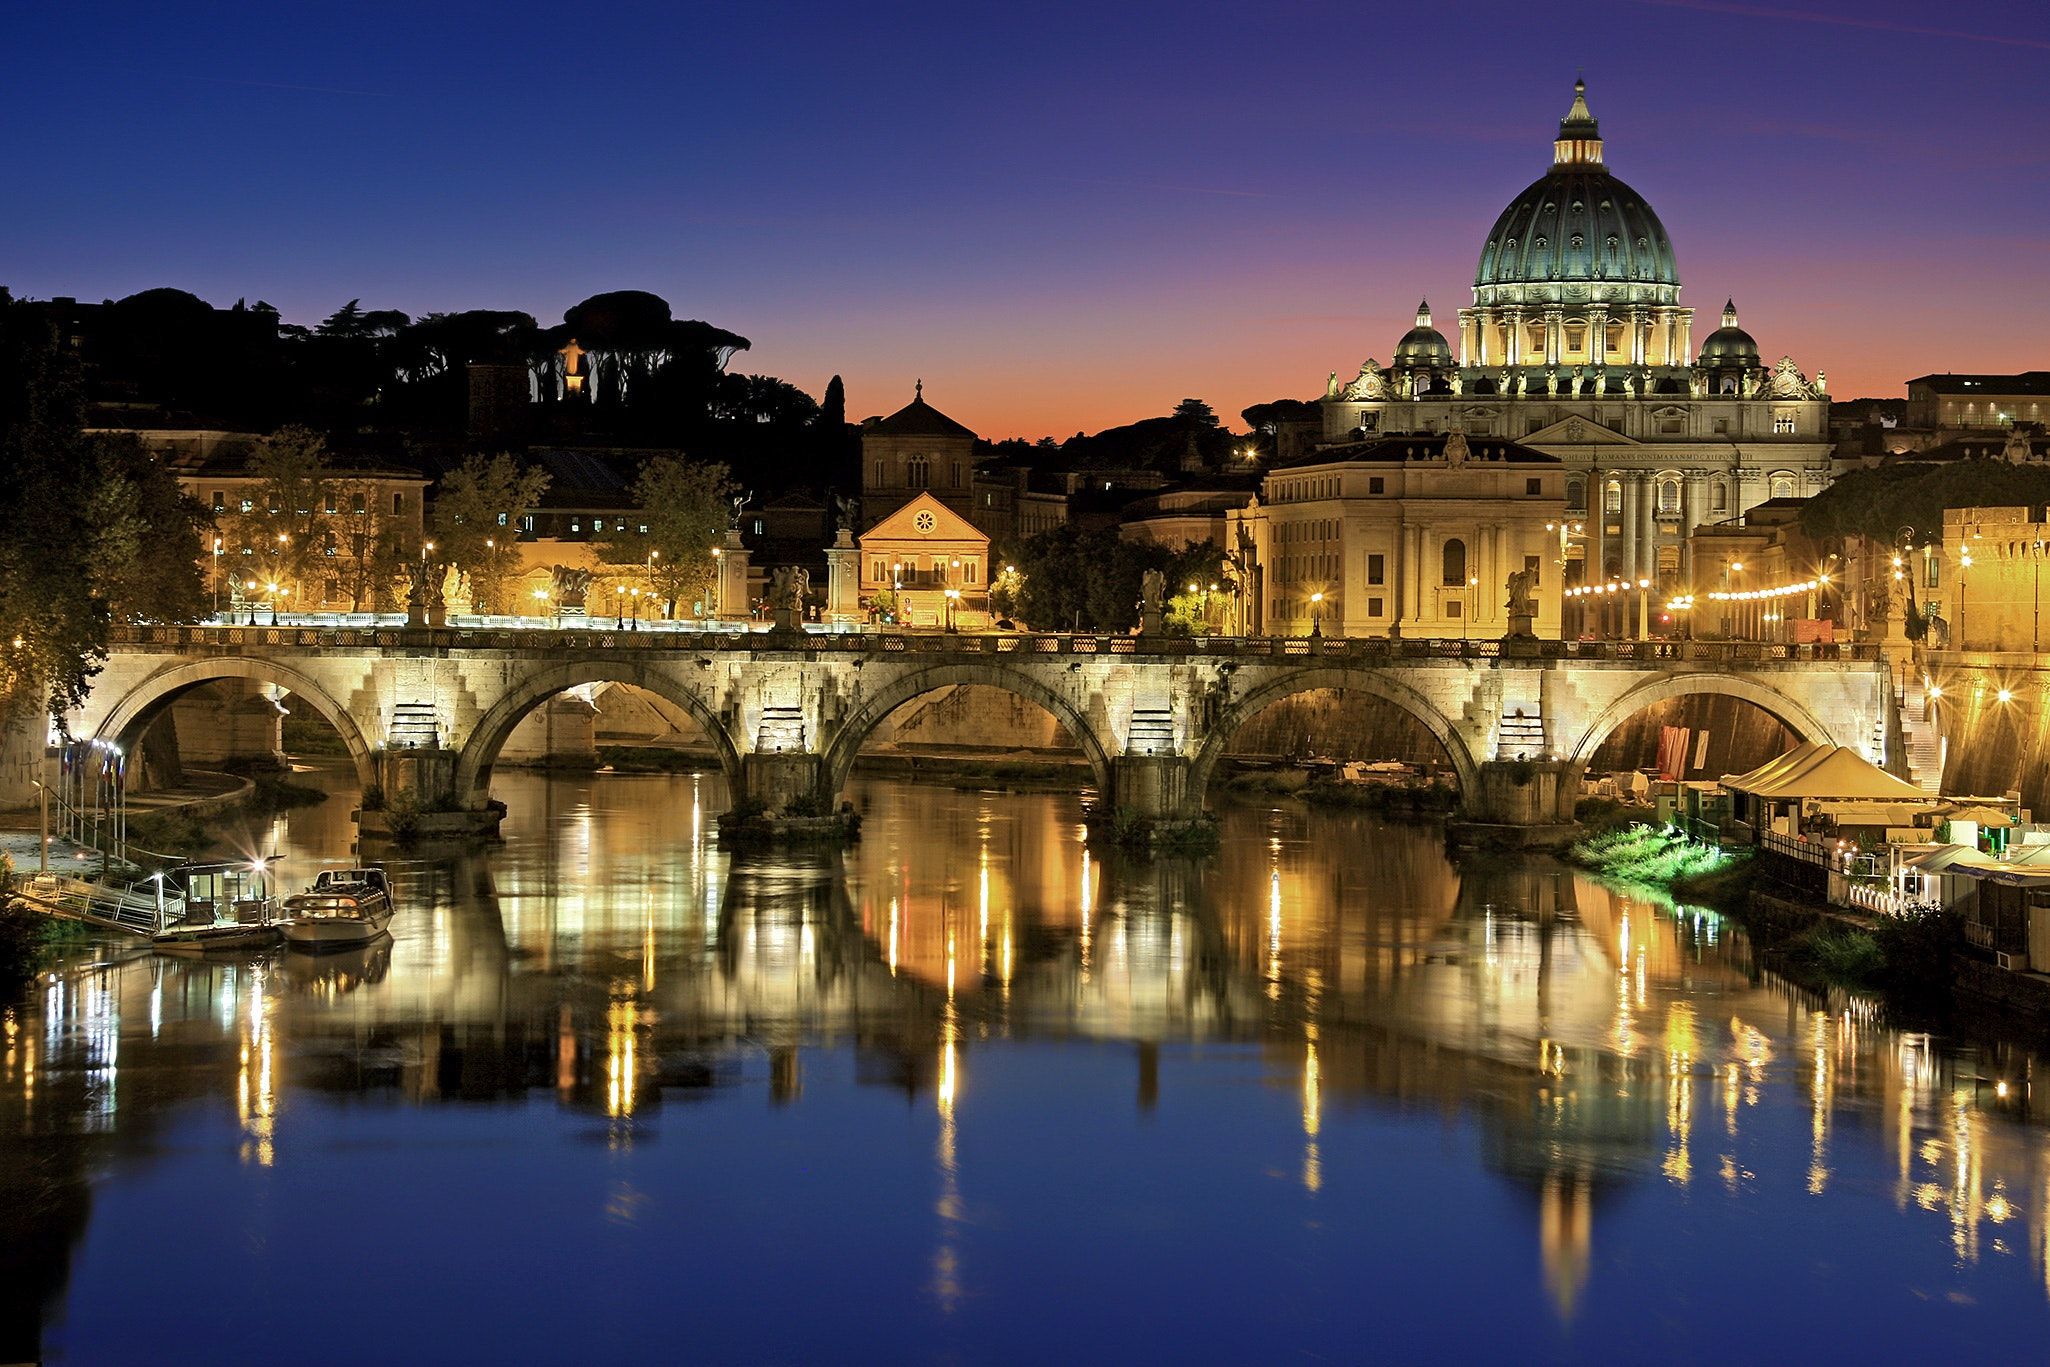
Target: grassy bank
<point x="29" y="940"/>
<point x="1659" y="857"/>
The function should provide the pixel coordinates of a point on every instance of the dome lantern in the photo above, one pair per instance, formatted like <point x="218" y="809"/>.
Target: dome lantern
<point x="1580" y="137"/>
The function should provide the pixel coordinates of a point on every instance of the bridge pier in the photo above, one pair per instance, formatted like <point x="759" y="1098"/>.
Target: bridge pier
<point x="1150" y="804"/>
<point x="416" y="799"/>
<point x="783" y="799"/>
<point x="1519" y="804"/>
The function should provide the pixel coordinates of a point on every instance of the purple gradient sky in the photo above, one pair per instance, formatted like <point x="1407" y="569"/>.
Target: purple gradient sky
<point x="1062" y="218"/>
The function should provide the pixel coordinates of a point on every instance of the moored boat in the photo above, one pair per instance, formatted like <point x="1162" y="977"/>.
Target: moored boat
<point x="344" y="909"/>
<point x="225" y="908"/>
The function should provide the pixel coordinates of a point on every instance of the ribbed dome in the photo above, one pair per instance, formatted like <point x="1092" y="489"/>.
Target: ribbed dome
<point x="1577" y="222"/>
<point x="1423" y="345"/>
<point x="1730" y="345"/>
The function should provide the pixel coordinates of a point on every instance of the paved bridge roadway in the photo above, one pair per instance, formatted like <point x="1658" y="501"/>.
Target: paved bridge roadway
<point x="787" y="712"/>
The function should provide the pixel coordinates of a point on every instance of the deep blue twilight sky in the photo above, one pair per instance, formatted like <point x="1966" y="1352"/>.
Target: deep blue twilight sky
<point x="1061" y="217"/>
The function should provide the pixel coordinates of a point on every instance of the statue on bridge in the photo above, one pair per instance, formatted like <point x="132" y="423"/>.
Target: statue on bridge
<point x="788" y="591"/>
<point x="1522" y="603"/>
<point x="1152" y="590"/>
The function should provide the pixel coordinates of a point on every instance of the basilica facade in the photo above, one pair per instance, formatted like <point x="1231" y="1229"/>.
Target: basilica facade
<point x="1577" y="347"/>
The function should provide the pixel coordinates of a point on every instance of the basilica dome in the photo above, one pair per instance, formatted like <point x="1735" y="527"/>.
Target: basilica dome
<point x="1730" y="345"/>
<point x="1577" y="222"/>
<point x="1423" y="345"/>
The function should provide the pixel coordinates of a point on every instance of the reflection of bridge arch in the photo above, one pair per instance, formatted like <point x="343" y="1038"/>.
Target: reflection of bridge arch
<point x="144" y="703"/>
<point x="857" y="726"/>
<point x="1651" y="692"/>
<point x="1373" y="682"/>
<point x="488" y="737"/>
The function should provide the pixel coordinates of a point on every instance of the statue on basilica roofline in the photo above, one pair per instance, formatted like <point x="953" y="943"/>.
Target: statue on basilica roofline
<point x="1788" y="382"/>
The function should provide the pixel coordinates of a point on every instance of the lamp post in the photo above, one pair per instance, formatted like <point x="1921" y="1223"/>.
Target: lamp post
<point x="1466" y="617"/>
<point x="635" y="595"/>
<point x="43" y="862"/>
<point x="653" y="556"/>
<point x="1964" y="561"/>
<point x="953" y="606"/>
<point x="619" y="607"/>
<point x="541" y="596"/>
<point x="1317" y="613"/>
<point x="217" y="577"/>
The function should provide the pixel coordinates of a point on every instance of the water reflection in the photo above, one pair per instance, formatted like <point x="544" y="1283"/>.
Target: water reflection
<point x="609" y="961"/>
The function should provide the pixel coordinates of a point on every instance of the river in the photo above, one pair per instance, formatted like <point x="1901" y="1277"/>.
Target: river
<point x="971" y="1093"/>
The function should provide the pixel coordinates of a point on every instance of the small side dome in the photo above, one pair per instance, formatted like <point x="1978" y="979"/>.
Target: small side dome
<point x="1423" y="345"/>
<point x="1729" y="345"/>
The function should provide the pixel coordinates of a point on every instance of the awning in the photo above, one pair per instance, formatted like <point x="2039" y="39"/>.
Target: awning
<point x="1823" y="771"/>
<point x="1983" y="816"/>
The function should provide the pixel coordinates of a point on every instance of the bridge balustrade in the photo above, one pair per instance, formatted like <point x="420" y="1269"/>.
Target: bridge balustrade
<point x="1366" y="649"/>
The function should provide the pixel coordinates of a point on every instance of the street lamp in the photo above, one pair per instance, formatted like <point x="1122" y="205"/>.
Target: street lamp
<point x="653" y="556"/>
<point x="1317" y="613"/>
<point x="217" y="576"/>
<point x="542" y="596"/>
<point x="619" y="607"/>
<point x="635" y="595"/>
<point x="1465" y="617"/>
<point x="953" y="607"/>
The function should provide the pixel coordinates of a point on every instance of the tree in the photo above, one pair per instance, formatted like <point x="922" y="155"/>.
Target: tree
<point x="1877" y="501"/>
<point x="97" y="531"/>
<point x="281" y="538"/>
<point x="685" y="509"/>
<point x="476" y="524"/>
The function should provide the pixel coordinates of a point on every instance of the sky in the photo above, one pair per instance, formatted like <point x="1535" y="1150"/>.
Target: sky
<point x="1060" y="217"/>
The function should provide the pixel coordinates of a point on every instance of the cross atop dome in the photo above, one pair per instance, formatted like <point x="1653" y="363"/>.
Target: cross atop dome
<point x="1580" y="137"/>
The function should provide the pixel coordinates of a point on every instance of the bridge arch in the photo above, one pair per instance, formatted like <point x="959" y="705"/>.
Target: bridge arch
<point x="488" y="737"/>
<point x="1787" y="710"/>
<point x="1376" y="683"/>
<point x="129" y="717"/>
<point x="858" y="725"/>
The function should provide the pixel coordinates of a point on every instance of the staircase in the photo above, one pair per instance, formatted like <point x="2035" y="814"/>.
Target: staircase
<point x="414" y="727"/>
<point x="1921" y="739"/>
<point x="1152" y="732"/>
<point x="781" y="731"/>
<point x="1521" y="733"/>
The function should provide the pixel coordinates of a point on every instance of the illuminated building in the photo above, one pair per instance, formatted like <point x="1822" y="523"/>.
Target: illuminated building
<point x="1577" y="346"/>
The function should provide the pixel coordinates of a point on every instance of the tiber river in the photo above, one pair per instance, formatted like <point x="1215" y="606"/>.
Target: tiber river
<point x="969" y="1093"/>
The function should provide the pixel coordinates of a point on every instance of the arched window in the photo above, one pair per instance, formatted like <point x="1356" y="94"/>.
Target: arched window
<point x="917" y="471"/>
<point x="1576" y="496"/>
<point x="1612" y="499"/>
<point x="1455" y="561"/>
<point x="1719" y="497"/>
<point x="1669" y="497"/>
<point x="1782" y="484"/>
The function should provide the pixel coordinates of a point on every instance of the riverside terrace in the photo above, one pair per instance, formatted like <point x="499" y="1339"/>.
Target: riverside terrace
<point x="427" y="711"/>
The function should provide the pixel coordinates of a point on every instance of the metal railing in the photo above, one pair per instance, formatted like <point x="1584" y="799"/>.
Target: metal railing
<point x="1362" y="650"/>
<point x="101" y="904"/>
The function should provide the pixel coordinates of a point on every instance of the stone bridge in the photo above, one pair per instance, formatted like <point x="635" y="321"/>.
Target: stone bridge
<point x="428" y="711"/>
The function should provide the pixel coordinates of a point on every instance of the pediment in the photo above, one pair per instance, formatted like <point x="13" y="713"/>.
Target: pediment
<point x="1577" y="432"/>
<point x="925" y="518"/>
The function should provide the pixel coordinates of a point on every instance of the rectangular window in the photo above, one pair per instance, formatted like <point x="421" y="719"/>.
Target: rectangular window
<point x="1533" y="486"/>
<point x="597" y="524"/>
<point x="247" y="505"/>
<point x="1373" y="607"/>
<point x="398" y="505"/>
<point x="220" y="501"/>
<point x="358" y="503"/>
<point x="333" y="505"/>
<point x="1375" y="484"/>
<point x="504" y="518"/>
<point x="1453" y="607"/>
<point x="1722" y="427"/>
<point x="1782" y="425"/>
<point x="1933" y="575"/>
<point x="527" y="523"/>
<point x="1377" y="569"/>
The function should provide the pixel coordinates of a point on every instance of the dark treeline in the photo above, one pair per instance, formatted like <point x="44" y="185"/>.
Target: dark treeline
<point x="619" y="370"/>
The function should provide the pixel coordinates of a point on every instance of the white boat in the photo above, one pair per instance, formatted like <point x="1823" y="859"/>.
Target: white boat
<point x="225" y="908"/>
<point x="343" y="909"/>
